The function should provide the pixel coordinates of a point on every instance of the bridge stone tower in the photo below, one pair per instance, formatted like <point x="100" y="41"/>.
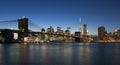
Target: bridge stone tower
<point x="23" y="28"/>
<point x="77" y="36"/>
<point x="23" y="25"/>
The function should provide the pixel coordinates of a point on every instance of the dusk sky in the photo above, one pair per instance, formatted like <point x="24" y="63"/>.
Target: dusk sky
<point x="64" y="13"/>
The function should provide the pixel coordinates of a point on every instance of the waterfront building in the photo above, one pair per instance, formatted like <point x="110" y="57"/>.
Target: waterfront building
<point x="85" y="32"/>
<point x="67" y="34"/>
<point x="42" y="35"/>
<point x="50" y="30"/>
<point x="101" y="32"/>
<point x="67" y="31"/>
<point x="116" y="34"/>
<point x="60" y="32"/>
<point x="42" y="30"/>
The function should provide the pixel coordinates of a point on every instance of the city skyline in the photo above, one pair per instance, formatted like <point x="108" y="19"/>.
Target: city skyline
<point x="65" y="13"/>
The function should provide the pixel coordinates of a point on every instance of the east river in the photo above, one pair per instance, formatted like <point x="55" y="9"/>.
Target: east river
<point x="60" y="54"/>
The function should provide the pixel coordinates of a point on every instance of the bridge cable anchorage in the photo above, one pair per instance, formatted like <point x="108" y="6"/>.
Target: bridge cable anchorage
<point x="34" y="25"/>
<point x="9" y="21"/>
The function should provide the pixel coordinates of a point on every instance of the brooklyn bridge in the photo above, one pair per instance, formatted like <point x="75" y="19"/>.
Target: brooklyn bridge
<point x="24" y="34"/>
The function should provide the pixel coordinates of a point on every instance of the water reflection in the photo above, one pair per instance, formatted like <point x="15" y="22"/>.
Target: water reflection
<point x="1" y="62"/>
<point x="60" y="54"/>
<point x="116" y="53"/>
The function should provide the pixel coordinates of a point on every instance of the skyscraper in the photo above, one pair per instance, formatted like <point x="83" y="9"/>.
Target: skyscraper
<point x="50" y="30"/>
<point x="80" y="26"/>
<point x="101" y="32"/>
<point x="85" y="32"/>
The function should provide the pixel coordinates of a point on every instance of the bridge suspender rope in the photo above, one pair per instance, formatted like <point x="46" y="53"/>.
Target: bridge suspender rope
<point x="31" y="24"/>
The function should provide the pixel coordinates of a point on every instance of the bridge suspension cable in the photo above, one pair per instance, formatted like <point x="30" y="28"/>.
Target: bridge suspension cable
<point x="9" y="21"/>
<point x="33" y="25"/>
<point x="11" y="24"/>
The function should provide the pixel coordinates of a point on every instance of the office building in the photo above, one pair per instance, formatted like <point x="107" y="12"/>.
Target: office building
<point x="101" y="32"/>
<point x="85" y="31"/>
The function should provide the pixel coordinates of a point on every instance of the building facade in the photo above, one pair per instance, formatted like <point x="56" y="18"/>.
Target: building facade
<point x="101" y="32"/>
<point x="85" y="31"/>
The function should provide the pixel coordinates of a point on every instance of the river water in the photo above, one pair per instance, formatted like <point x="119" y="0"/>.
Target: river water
<point x="60" y="54"/>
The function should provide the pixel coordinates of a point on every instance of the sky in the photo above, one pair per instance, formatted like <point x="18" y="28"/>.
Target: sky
<point x="63" y="13"/>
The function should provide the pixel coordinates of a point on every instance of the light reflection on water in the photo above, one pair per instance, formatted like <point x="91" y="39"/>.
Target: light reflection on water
<point x="60" y="54"/>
